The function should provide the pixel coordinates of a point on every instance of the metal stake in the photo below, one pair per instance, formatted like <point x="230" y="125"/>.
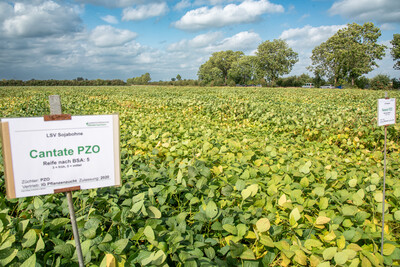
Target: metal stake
<point x="384" y="187"/>
<point x="383" y="193"/>
<point x="55" y="109"/>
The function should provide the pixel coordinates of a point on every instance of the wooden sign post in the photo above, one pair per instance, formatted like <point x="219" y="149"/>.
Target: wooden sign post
<point x="60" y="153"/>
<point x="55" y="109"/>
<point x="386" y="117"/>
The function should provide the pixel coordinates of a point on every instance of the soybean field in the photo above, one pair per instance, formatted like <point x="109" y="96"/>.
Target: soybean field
<point x="218" y="177"/>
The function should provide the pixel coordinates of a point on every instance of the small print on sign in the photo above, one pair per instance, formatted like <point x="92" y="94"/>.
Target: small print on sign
<point x="44" y="156"/>
<point x="386" y="111"/>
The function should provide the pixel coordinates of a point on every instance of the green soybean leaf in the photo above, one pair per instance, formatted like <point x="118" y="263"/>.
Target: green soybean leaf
<point x="230" y="228"/>
<point x="159" y="258"/>
<point x="247" y="254"/>
<point x="7" y="255"/>
<point x="40" y="244"/>
<point x="137" y="206"/>
<point x="241" y="230"/>
<point x="66" y="250"/>
<point x="341" y="258"/>
<point x="154" y="212"/>
<point x="31" y="261"/>
<point x="29" y="239"/>
<point x="349" y="210"/>
<point x="149" y="233"/>
<point x="329" y="253"/>
<point x="211" y="209"/>
<point x="59" y="222"/>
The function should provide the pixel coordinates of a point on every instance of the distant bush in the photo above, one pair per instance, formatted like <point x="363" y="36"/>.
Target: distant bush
<point x="395" y="83"/>
<point x="362" y="82"/>
<point x="381" y="82"/>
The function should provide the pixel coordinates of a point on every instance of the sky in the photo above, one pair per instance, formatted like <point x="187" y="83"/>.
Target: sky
<point x="121" y="39"/>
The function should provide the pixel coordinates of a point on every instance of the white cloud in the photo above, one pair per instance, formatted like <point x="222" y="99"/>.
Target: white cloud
<point x="303" y="40"/>
<point x="212" y="42"/>
<point x="200" y="41"/>
<point x="182" y="5"/>
<point x="308" y="36"/>
<point x="117" y="3"/>
<point x="243" y="41"/>
<point x="217" y="16"/>
<point x="108" y="36"/>
<point x="110" y="19"/>
<point x="144" y="11"/>
<point x="44" y="19"/>
<point x="366" y="10"/>
<point x="5" y="11"/>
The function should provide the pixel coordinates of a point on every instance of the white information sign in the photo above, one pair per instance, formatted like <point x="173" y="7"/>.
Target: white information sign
<point x="43" y="156"/>
<point x="386" y="111"/>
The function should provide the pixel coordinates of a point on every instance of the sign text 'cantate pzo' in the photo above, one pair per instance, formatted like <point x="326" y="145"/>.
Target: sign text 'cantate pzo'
<point x="43" y="156"/>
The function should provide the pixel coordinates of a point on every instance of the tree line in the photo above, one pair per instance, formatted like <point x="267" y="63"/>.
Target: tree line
<point x="341" y="60"/>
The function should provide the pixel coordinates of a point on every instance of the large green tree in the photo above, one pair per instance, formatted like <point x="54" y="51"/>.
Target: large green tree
<point x="218" y="66"/>
<point x="244" y="70"/>
<point x="275" y="58"/>
<point x="144" y="79"/>
<point x="395" y="51"/>
<point x="349" y="53"/>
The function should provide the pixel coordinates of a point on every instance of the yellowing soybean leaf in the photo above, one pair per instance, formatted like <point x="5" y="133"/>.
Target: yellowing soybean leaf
<point x="282" y="200"/>
<point x="354" y="247"/>
<point x="322" y="220"/>
<point x="263" y="225"/>
<point x="300" y="257"/>
<point x="388" y="249"/>
<point x="258" y="162"/>
<point x="251" y="235"/>
<point x="397" y="215"/>
<point x="329" y="237"/>
<point x="378" y="196"/>
<point x="314" y="261"/>
<point x="341" y="242"/>
<point x="310" y="243"/>
<point x="295" y="214"/>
